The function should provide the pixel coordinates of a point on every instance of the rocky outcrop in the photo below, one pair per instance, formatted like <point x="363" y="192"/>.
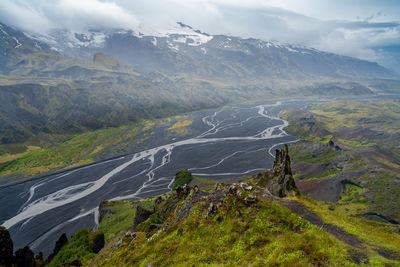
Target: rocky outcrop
<point x="279" y="180"/>
<point x="74" y="263"/>
<point x="282" y="184"/>
<point x="104" y="209"/>
<point x="6" y="247"/>
<point x="141" y="215"/>
<point x="96" y="241"/>
<point x="24" y="257"/>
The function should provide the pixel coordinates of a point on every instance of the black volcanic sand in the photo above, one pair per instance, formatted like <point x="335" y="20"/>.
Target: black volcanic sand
<point x="37" y="211"/>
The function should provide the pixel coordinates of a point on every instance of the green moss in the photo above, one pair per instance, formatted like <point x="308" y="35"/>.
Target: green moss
<point x="77" y="248"/>
<point x="373" y="233"/>
<point x="153" y="219"/>
<point x="327" y="173"/>
<point x="181" y="178"/>
<point x="122" y="220"/>
<point x="327" y="156"/>
<point x="263" y="235"/>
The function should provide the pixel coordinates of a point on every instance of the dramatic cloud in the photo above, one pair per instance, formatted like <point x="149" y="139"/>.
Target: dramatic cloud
<point x="365" y="29"/>
<point x="41" y="16"/>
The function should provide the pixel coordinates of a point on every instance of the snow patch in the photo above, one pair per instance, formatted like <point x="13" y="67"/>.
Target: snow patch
<point x="292" y="50"/>
<point x="3" y="31"/>
<point x="154" y="41"/>
<point x="18" y="43"/>
<point x="172" y="46"/>
<point x="181" y="39"/>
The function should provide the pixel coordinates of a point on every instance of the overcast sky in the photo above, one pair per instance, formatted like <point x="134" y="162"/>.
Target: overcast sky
<point x="367" y="29"/>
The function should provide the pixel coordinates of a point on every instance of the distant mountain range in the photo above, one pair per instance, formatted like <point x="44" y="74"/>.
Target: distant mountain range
<point x="181" y="49"/>
<point x="67" y="82"/>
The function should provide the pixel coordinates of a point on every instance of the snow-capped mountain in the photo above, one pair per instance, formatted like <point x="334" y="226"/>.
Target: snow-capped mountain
<point x="181" y="49"/>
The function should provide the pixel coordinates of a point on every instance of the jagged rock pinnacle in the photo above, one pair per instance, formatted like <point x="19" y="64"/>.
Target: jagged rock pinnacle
<point x="282" y="183"/>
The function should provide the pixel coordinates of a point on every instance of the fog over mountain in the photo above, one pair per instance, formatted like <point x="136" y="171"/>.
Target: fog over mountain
<point x="364" y="29"/>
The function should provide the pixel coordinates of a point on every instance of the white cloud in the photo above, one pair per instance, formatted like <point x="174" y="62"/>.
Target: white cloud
<point x="23" y="15"/>
<point x="92" y="13"/>
<point x="41" y="15"/>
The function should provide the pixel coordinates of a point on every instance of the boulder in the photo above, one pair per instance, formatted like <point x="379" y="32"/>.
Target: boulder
<point x="183" y="191"/>
<point x="39" y="262"/>
<point x="6" y="247"/>
<point x="212" y="209"/>
<point x="24" y="257"/>
<point x="141" y="215"/>
<point x="96" y="241"/>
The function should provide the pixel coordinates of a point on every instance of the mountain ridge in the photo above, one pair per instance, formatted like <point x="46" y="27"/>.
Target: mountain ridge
<point x="185" y="50"/>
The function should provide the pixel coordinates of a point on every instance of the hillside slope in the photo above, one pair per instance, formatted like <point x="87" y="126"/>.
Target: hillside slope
<point x="349" y="155"/>
<point x="262" y="221"/>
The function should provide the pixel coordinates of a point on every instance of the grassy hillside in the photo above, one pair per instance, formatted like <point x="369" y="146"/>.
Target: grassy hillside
<point x="353" y="149"/>
<point x="295" y="231"/>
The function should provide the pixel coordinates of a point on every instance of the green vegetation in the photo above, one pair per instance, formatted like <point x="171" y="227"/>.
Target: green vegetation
<point x="153" y="219"/>
<point x="265" y="234"/>
<point x="181" y="178"/>
<point x="204" y="184"/>
<point x="325" y="156"/>
<point x="374" y="234"/>
<point x="96" y="241"/>
<point x="75" y="150"/>
<point x="180" y="127"/>
<point x="360" y="137"/>
<point x="70" y="150"/>
<point x="327" y="173"/>
<point x="113" y="224"/>
<point x="76" y="248"/>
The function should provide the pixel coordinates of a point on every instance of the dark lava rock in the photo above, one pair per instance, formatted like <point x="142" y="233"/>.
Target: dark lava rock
<point x="104" y="210"/>
<point x="96" y="241"/>
<point x="24" y="257"/>
<point x="74" y="263"/>
<point x="39" y="262"/>
<point x="212" y="209"/>
<point x="141" y="215"/>
<point x="6" y="247"/>
<point x="183" y="191"/>
<point x="282" y="183"/>
<point x="193" y="196"/>
<point x="250" y="199"/>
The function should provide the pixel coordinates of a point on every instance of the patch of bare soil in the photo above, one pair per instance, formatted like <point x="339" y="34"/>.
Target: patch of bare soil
<point x="329" y="188"/>
<point x="306" y="170"/>
<point x="388" y="254"/>
<point x="326" y="189"/>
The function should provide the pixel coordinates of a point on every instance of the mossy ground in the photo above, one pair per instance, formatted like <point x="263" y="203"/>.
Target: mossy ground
<point x="374" y="234"/>
<point x="121" y="220"/>
<point x="76" y="248"/>
<point x="266" y="234"/>
<point x="181" y="178"/>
